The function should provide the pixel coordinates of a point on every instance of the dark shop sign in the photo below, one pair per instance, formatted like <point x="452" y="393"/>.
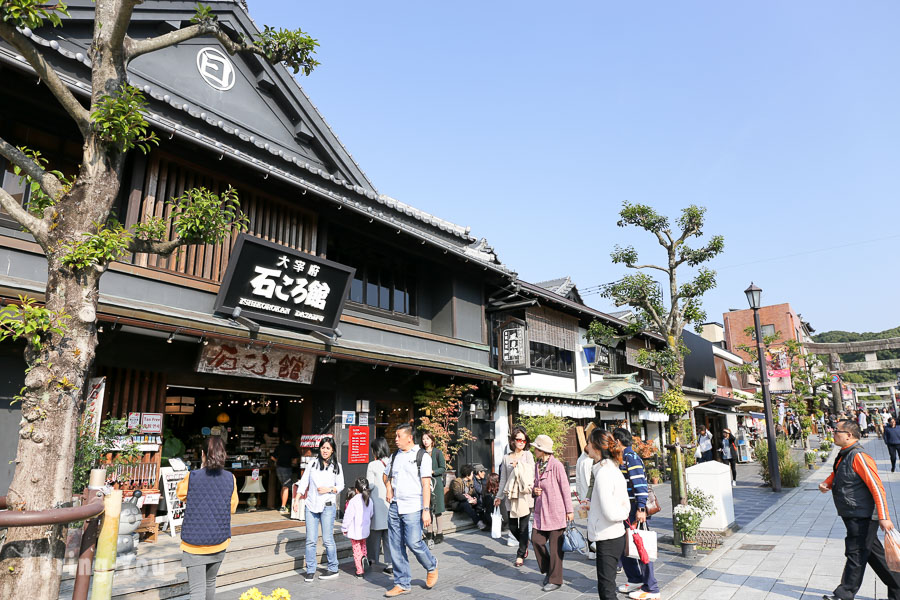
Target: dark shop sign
<point x="283" y="287"/>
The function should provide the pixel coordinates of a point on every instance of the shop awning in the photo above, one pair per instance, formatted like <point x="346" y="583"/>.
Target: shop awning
<point x="717" y="411"/>
<point x="653" y="415"/>
<point x="160" y="318"/>
<point x="613" y="386"/>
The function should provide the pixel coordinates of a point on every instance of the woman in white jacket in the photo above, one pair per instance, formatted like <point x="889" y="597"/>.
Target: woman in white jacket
<point x="609" y="509"/>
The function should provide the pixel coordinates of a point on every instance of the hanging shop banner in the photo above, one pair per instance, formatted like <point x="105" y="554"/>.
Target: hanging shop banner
<point x="93" y="408"/>
<point x="359" y="445"/>
<point x="283" y="287"/>
<point x="514" y="346"/>
<point x="224" y="358"/>
<point x="779" y="372"/>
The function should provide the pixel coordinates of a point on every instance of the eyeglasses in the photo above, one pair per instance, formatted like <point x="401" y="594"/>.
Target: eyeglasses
<point x="841" y="431"/>
<point x="520" y="440"/>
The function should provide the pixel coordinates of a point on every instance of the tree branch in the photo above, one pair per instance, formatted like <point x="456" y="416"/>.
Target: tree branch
<point x="658" y="268"/>
<point x="156" y="247"/>
<point x="65" y="97"/>
<point x="48" y="182"/>
<point x="123" y="10"/>
<point x="135" y="48"/>
<point x="37" y="227"/>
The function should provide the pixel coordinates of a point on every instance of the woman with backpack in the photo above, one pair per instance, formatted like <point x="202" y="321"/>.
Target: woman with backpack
<point x="322" y="481"/>
<point x="438" y="468"/>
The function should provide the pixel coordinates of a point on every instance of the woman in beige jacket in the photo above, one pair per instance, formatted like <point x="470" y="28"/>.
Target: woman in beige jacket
<point x="516" y="483"/>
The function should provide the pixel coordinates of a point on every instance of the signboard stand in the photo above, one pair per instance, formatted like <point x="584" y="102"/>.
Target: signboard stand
<point x="170" y="479"/>
<point x="358" y="452"/>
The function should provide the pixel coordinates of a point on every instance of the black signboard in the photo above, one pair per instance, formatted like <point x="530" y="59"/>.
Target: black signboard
<point x="283" y="287"/>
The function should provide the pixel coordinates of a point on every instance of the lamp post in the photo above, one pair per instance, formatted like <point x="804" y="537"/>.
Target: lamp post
<point x="753" y="294"/>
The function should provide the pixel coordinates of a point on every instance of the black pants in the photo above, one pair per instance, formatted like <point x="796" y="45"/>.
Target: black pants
<point x="518" y="527"/>
<point x="733" y="463"/>
<point x="894" y="449"/>
<point x="469" y="509"/>
<point x="608" y="553"/>
<point x="862" y="547"/>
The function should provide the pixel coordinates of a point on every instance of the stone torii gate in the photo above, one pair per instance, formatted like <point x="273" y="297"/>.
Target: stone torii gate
<point x="870" y="348"/>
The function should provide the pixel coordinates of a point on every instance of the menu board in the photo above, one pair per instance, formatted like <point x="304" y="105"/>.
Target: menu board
<point x="170" y="479"/>
<point x="359" y="445"/>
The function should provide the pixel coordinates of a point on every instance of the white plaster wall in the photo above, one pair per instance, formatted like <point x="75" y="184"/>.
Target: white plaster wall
<point x="543" y="381"/>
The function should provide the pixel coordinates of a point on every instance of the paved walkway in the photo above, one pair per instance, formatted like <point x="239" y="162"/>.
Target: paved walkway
<point x="795" y="550"/>
<point x="472" y="565"/>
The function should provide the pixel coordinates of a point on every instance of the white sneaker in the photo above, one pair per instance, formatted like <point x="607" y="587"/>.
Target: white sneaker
<point x="734" y="484"/>
<point x="627" y="588"/>
<point x="641" y="595"/>
<point x="592" y="556"/>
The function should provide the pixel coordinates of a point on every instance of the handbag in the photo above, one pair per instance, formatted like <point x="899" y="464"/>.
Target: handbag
<point x="652" y="506"/>
<point x="641" y="543"/>
<point x="573" y="540"/>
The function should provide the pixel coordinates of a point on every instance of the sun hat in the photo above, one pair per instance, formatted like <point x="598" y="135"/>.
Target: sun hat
<point x="544" y="443"/>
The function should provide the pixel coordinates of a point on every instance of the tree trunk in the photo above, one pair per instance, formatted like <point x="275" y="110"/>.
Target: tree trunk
<point x="55" y="383"/>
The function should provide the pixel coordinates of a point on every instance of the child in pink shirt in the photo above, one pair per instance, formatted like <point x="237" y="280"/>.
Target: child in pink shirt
<point x="356" y="523"/>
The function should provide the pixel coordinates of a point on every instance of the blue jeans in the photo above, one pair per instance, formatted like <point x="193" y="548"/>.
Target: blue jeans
<point x="405" y="531"/>
<point x="326" y="518"/>
<point x="635" y="570"/>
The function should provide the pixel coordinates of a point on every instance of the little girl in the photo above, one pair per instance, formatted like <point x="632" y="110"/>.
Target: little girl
<point x="357" y="519"/>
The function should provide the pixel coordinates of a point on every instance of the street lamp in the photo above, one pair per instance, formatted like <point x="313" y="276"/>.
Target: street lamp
<point x="753" y="298"/>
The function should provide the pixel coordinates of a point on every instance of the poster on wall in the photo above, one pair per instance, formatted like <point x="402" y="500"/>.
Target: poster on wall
<point x="359" y="445"/>
<point x="284" y="287"/>
<point x="225" y="358"/>
<point x="151" y="422"/>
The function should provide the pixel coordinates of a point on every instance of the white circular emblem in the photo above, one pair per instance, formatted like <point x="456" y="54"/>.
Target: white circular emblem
<point x="215" y="68"/>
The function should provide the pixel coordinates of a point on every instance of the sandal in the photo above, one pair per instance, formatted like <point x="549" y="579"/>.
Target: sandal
<point x="520" y="562"/>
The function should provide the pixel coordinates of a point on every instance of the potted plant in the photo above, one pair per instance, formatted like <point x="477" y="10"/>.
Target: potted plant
<point x="654" y="475"/>
<point x="810" y="459"/>
<point x="687" y="523"/>
<point x="823" y="456"/>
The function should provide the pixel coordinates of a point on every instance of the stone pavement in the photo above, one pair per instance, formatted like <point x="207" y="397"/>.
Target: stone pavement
<point x="472" y="565"/>
<point x="795" y="550"/>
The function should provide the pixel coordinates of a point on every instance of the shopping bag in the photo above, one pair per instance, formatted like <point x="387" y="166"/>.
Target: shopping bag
<point x="641" y="544"/>
<point x="697" y="454"/>
<point x="892" y="550"/>
<point x="573" y="541"/>
<point x="496" y="523"/>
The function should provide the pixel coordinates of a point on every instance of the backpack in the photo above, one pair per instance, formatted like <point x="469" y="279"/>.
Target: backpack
<point x="419" y="456"/>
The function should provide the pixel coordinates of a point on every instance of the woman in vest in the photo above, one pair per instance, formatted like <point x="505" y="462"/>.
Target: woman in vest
<point x="321" y="483"/>
<point x="210" y="496"/>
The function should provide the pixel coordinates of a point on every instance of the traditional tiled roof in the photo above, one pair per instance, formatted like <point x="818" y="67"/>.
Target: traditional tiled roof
<point x="561" y="286"/>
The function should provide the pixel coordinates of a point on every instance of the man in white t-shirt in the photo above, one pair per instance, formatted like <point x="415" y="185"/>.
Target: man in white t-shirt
<point x="408" y="493"/>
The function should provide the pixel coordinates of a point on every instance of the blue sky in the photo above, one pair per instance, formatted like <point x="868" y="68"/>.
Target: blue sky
<point x="533" y="122"/>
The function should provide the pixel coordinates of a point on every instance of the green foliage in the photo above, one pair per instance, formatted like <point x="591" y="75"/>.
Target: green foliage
<point x="89" y="451"/>
<point x="603" y="334"/>
<point x="701" y="501"/>
<point x="687" y="521"/>
<point x="31" y="13"/>
<point x="38" y="200"/>
<point x="441" y="407"/>
<point x="826" y="446"/>
<point x="875" y="376"/>
<point x="787" y="466"/>
<point x="120" y="120"/>
<point x="31" y="322"/>
<point x="204" y="14"/>
<point x="293" y="48"/>
<point x="642" y="216"/>
<point x="551" y="425"/>
<point x="683" y="431"/>
<point x="672" y="402"/>
<point x="809" y="457"/>
<point x="666" y="362"/>
<point x="200" y="216"/>
<point x="100" y="248"/>
<point x="153" y="229"/>
<point x="654" y="473"/>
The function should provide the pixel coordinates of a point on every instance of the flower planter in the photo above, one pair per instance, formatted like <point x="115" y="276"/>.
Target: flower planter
<point x="689" y="549"/>
<point x="654" y="480"/>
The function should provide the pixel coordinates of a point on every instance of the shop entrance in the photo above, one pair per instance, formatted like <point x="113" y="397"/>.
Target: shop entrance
<point x="388" y="415"/>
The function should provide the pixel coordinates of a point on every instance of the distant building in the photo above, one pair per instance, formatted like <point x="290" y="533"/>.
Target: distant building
<point x="778" y="318"/>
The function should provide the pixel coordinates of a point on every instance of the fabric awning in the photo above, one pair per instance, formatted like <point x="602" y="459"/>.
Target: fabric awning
<point x="717" y="411"/>
<point x="560" y="409"/>
<point x="653" y="415"/>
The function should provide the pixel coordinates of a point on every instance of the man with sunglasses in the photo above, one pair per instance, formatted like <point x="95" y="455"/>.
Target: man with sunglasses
<point x="862" y="504"/>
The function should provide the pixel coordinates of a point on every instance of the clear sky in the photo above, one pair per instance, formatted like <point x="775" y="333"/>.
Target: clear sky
<point x="532" y="122"/>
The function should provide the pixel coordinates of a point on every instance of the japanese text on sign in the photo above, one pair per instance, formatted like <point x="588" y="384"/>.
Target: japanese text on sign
<point x="231" y="359"/>
<point x="514" y="346"/>
<point x="282" y="286"/>
<point x="359" y="445"/>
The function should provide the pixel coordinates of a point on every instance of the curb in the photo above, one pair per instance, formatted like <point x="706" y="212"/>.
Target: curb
<point x="679" y="583"/>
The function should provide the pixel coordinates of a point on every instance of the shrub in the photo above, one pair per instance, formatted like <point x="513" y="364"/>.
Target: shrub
<point x="809" y="457"/>
<point x="701" y="501"/>
<point x="551" y="425"/>
<point x="653" y="473"/>
<point x="787" y="466"/>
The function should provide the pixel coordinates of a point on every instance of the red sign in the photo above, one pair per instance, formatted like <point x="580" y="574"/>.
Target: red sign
<point x="359" y="445"/>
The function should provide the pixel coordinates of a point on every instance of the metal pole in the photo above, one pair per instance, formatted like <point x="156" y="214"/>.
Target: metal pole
<point x="774" y="473"/>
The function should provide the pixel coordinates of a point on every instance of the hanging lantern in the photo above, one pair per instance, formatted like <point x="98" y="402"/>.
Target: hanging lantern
<point x="223" y="418"/>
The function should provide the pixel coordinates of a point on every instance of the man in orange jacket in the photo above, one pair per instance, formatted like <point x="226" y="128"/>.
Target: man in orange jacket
<point x="862" y="504"/>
